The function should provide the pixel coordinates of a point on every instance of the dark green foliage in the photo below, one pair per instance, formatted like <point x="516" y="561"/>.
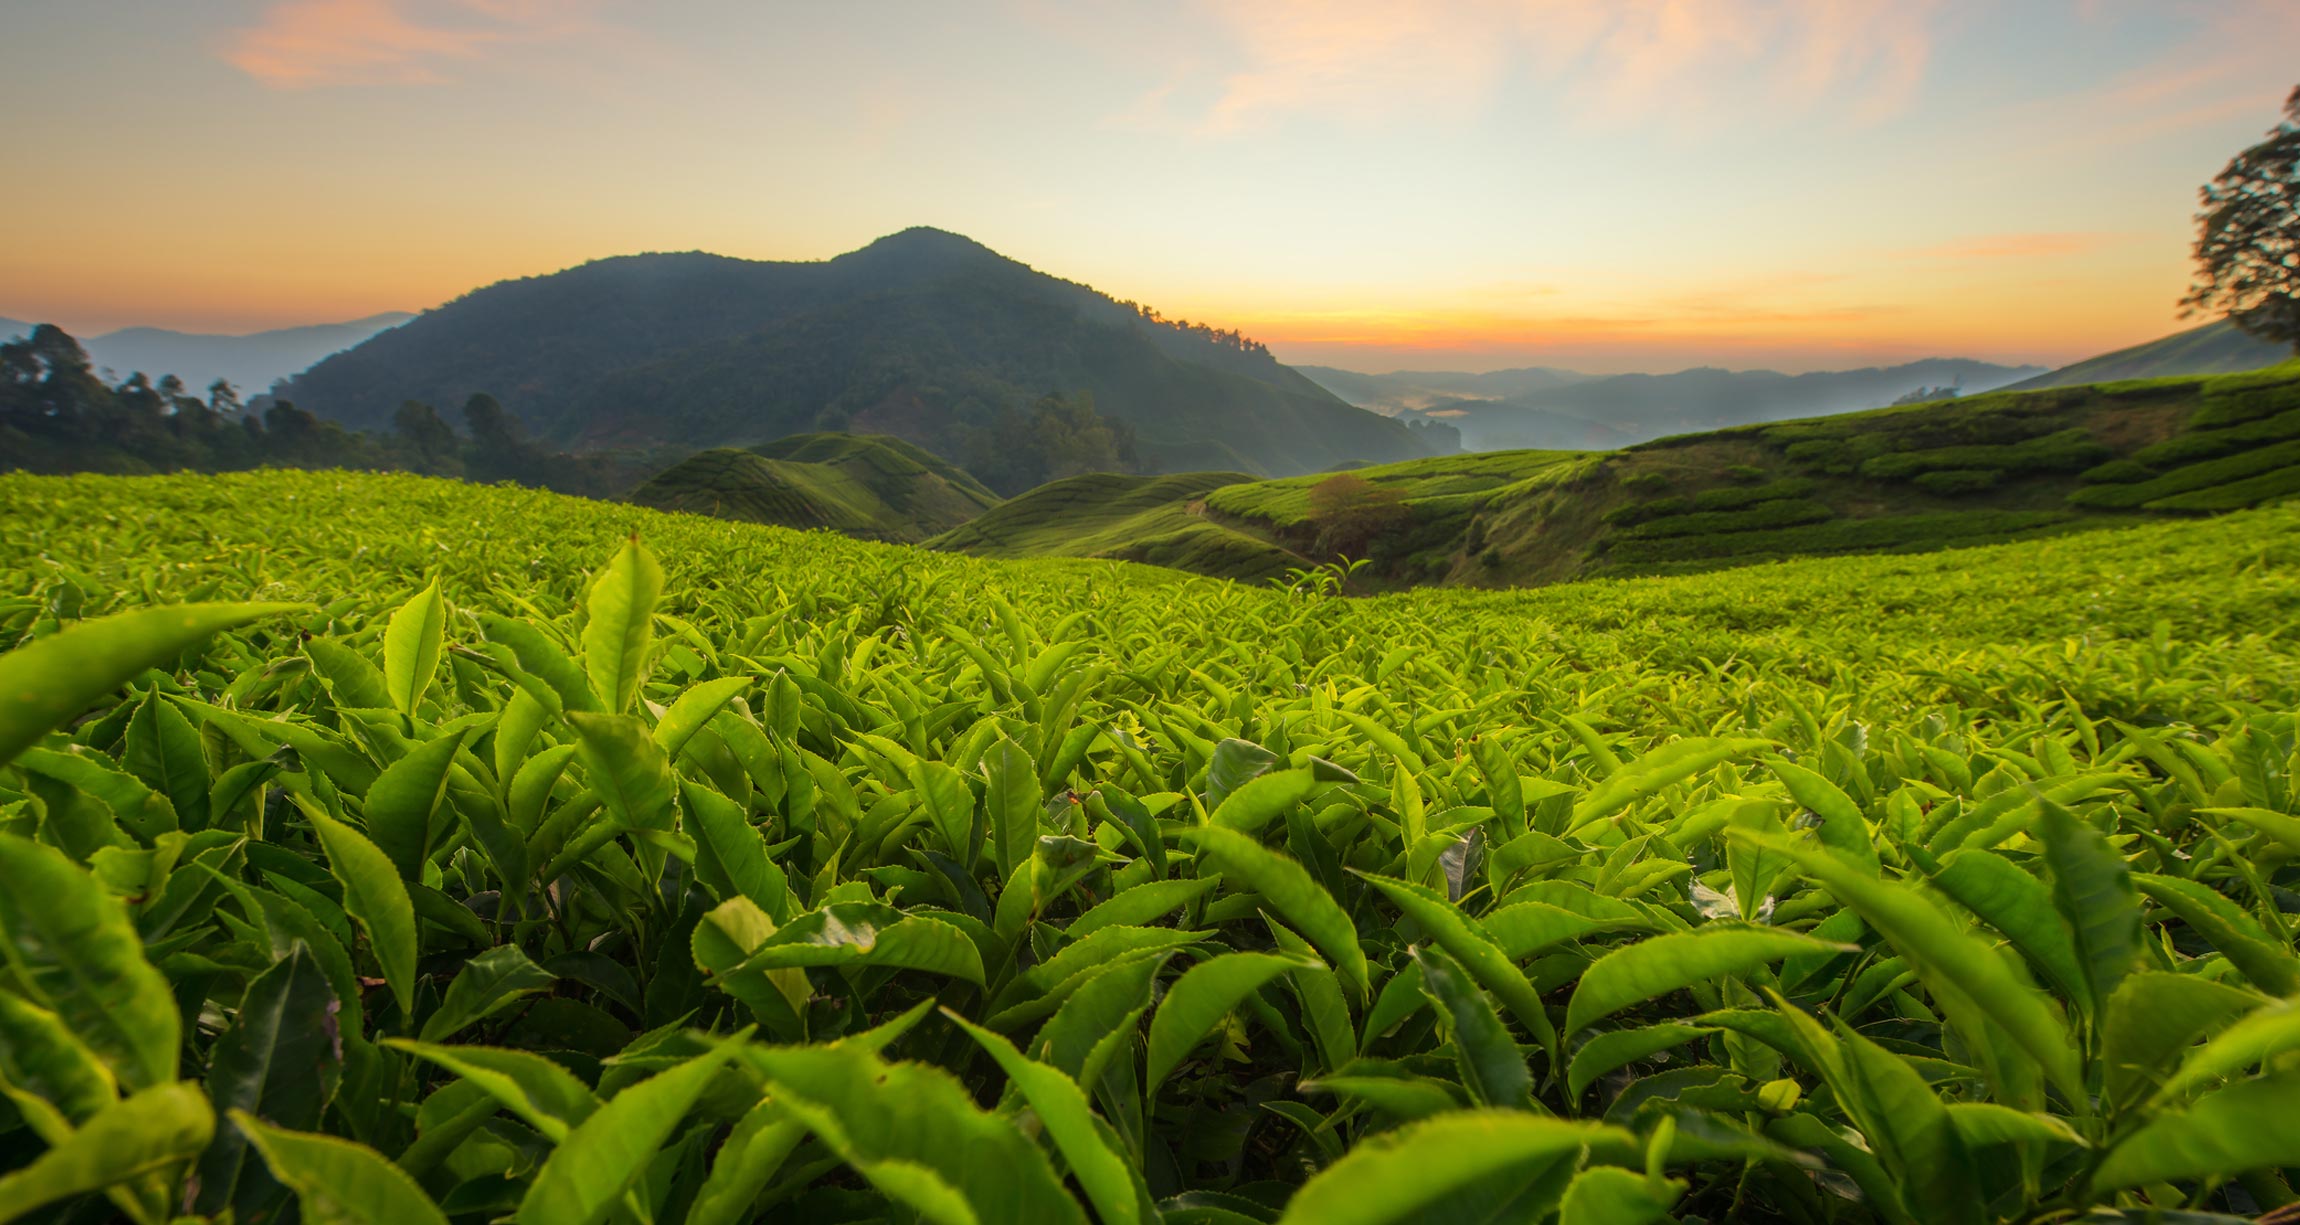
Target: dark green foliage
<point x="1882" y="535"/>
<point x="2201" y="444"/>
<point x="1775" y="513"/>
<point x="1735" y="499"/>
<point x="2233" y="399"/>
<point x="1646" y="482"/>
<point x="924" y="335"/>
<point x="2206" y="475"/>
<point x="1955" y="482"/>
<point x="871" y="486"/>
<point x="2116" y="472"/>
<point x="2071" y="450"/>
<point x="1634" y="513"/>
<point x="2245" y="237"/>
<point x="2235" y="495"/>
<point x="56" y="416"/>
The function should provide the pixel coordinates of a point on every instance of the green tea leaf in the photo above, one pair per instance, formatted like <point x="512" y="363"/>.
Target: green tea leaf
<point x="487" y="984"/>
<point x="155" y="1132"/>
<point x="603" y="1156"/>
<point x="1288" y="889"/>
<point x="1418" y="1170"/>
<point x="71" y="943"/>
<point x="280" y="1061"/>
<point x="1492" y="1067"/>
<point x="411" y="646"/>
<point x="1662" y="964"/>
<point x="337" y="1182"/>
<point x="2251" y="1125"/>
<point x="1061" y="1106"/>
<point x="1198" y="1001"/>
<point x="374" y="895"/>
<point x="621" y="624"/>
<point x="49" y="680"/>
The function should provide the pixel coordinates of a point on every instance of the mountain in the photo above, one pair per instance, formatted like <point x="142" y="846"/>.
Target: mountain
<point x="866" y="485"/>
<point x="1982" y="469"/>
<point x="2215" y="348"/>
<point x="251" y="363"/>
<point x="925" y="335"/>
<point x="1624" y="409"/>
<point x="1406" y="390"/>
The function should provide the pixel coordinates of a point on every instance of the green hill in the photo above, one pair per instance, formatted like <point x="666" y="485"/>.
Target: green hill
<point x="1156" y="519"/>
<point x="923" y="334"/>
<point x="2002" y="466"/>
<point x="2215" y="348"/>
<point x="866" y="485"/>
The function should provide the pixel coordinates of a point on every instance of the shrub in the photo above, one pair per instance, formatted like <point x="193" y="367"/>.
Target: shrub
<point x="1747" y="474"/>
<point x="2200" y="444"/>
<point x="1734" y="499"/>
<point x="2206" y="475"/>
<point x="2069" y="450"/>
<point x="2115" y="472"/>
<point x="1882" y="534"/>
<point x="1646" y="482"/>
<point x="2236" y="495"/>
<point x="1646" y="512"/>
<point x="2233" y="399"/>
<point x="1783" y="513"/>
<point x="1954" y="482"/>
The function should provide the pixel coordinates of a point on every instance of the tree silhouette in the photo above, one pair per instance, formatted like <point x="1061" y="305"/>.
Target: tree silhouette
<point x="2248" y="237"/>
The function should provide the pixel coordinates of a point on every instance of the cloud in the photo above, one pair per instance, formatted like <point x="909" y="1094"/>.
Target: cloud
<point x="1608" y="60"/>
<point x="303" y="43"/>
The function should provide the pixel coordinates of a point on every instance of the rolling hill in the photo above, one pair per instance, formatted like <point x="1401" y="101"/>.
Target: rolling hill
<point x="1994" y="467"/>
<point x="865" y="485"/>
<point x="2215" y="348"/>
<point x="1160" y="520"/>
<point x="251" y="363"/>
<point x="1625" y="409"/>
<point x="923" y="335"/>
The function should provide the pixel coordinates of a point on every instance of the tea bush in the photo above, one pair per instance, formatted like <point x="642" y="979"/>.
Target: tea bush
<point x="383" y="849"/>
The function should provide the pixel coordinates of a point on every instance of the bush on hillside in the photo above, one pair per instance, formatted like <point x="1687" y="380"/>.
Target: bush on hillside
<point x="2071" y="450"/>
<point x="1787" y="512"/>
<point x="2236" y="495"/>
<point x="2209" y="474"/>
<point x="2116" y="472"/>
<point x="2233" y="399"/>
<point x="1735" y="499"/>
<point x="1955" y="482"/>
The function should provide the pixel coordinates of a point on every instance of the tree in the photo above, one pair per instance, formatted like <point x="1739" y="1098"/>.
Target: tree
<point x="2248" y="237"/>
<point x="431" y="440"/>
<point x="1350" y="511"/>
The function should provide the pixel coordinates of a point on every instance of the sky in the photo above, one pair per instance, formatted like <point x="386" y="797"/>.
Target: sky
<point x="1604" y="185"/>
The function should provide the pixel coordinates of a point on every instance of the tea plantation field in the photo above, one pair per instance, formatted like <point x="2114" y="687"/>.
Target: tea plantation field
<point x="384" y="849"/>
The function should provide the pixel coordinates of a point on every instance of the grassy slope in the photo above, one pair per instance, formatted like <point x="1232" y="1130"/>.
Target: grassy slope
<point x="863" y="485"/>
<point x="1997" y="467"/>
<point x="2215" y="348"/>
<point x="1155" y="519"/>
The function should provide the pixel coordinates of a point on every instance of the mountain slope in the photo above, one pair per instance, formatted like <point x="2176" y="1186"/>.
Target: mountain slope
<point x="921" y="334"/>
<point x="1994" y="467"/>
<point x="1630" y="408"/>
<point x="2215" y="348"/>
<point x="251" y="363"/>
<point x="1155" y="519"/>
<point x="864" y="485"/>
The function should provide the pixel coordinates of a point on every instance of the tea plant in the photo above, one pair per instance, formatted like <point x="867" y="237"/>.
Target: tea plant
<point x="377" y="849"/>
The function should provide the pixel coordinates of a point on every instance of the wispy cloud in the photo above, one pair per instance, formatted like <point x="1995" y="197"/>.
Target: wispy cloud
<point x="298" y="44"/>
<point x="1609" y="60"/>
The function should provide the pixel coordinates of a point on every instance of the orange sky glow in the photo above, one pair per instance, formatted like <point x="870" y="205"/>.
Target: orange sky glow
<point x="1641" y="184"/>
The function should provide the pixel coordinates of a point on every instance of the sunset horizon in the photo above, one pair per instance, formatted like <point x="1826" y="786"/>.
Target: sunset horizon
<point x="1550" y="182"/>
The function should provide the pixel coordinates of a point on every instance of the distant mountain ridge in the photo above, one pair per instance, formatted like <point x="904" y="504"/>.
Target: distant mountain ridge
<point x="1409" y="390"/>
<point x="251" y="362"/>
<point x="1624" y="409"/>
<point x="917" y="335"/>
<point x="2215" y="348"/>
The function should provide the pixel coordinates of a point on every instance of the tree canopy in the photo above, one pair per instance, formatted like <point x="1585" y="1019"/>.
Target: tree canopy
<point x="2248" y="237"/>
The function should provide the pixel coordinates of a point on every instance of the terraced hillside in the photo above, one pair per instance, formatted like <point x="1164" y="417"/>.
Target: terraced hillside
<point x="1160" y="520"/>
<point x="868" y="485"/>
<point x="1998" y="467"/>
